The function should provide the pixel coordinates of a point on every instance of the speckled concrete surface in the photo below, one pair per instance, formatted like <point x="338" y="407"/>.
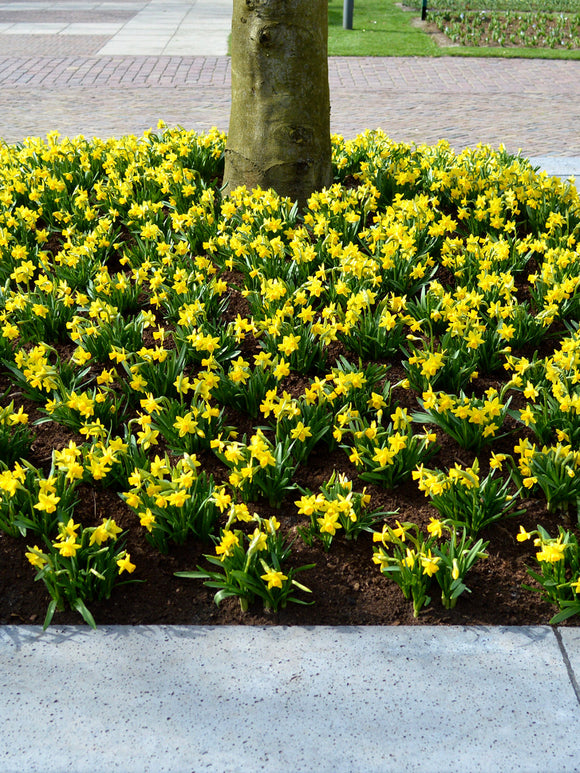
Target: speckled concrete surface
<point x="570" y="644"/>
<point x="289" y="699"/>
<point x="564" y="166"/>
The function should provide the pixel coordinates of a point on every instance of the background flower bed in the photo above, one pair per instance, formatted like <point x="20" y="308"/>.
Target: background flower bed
<point x="510" y="29"/>
<point x="551" y="24"/>
<point x="122" y="255"/>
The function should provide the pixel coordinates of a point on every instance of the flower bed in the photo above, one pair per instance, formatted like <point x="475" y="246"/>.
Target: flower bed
<point x="510" y="29"/>
<point x="370" y="408"/>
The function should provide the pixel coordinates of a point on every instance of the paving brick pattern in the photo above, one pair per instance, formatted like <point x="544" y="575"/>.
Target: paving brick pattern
<point x="51" y="45"/>
<point x="116" y="72"/>
<point x="101" y="16"/>
<point x="453" y="75"/>
<point x="532" y="105"/>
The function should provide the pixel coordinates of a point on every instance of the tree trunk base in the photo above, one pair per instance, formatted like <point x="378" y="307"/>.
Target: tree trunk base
<point x="279" y="135"/>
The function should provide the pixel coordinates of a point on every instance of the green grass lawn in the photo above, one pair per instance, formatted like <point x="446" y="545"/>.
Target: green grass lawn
<point x="381" y="28"/>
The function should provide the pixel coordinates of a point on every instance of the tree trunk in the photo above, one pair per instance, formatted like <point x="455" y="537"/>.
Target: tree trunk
<point x="279" y="135"/>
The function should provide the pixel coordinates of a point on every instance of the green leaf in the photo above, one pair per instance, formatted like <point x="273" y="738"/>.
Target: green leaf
<point x="224" y="594"/>
<point x="295" y="600"/>
<point x="193" y="575"/>
<point x="564" y="614"/>
<point x="304" y="568"/>
<point x="458" y="589"/>
<point x="80" y="607"/>
<point x="302" y="587"/>
<point x="49" y="614"/>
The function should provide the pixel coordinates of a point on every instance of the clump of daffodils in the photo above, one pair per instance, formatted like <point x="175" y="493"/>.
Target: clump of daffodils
<point x="250" y="564"/>
<point x="413" y="560"/>
<point x="557" y="569"/>
<point x="80" y="565"/>
<point x="336" y="507"/>
<point x="465" y="498"/>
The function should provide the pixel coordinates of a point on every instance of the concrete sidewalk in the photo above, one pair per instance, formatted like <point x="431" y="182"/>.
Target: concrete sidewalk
<point x="289" y="700"/>
<point x="117" y="27"/>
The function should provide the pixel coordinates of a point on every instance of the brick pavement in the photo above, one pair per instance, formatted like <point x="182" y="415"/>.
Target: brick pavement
<point x="532" y="105"/>
<point x="51" y="45"/>
<point x="70" y="16"/>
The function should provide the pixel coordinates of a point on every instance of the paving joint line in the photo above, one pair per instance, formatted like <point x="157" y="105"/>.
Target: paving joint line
<point x="568" y="664"/>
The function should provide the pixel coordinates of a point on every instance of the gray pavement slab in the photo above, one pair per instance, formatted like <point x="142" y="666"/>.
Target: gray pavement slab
<point x="562" y="166"/>
<point x="570" y="645"/>
<point x="289" y="699"/>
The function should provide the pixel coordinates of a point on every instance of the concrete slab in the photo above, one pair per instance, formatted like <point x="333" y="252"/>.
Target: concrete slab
<point x="160" y="29"/>
<point x="22" y="6"/>
<point x="202" y="47"/>
<point x="147" y="32"/>
<point x="81" y="28"/>
<point x="286" y="699"/>
<point x="559" y="166"/>
<point x="133" y="49"/>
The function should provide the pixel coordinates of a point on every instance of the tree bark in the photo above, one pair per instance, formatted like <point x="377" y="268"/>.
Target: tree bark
<point x="279" y="134"/>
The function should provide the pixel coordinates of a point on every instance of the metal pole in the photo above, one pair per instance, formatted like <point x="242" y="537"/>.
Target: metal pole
<point x="347" y="11"/>
<point x="424" y="10"/>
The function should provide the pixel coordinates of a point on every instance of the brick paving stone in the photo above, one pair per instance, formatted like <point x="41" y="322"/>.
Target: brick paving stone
<point x="72" y="16"/>
<point x="532" y="105"/>
<point x="51" y="45"/>
<point x="491" y="76"/>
